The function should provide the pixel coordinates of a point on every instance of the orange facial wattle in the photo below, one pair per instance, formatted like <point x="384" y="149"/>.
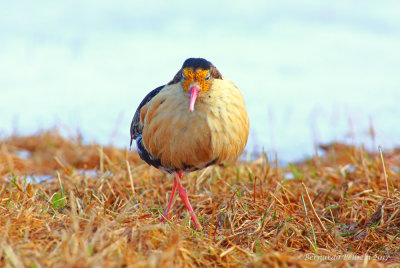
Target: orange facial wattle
<point x="198" y="76"/>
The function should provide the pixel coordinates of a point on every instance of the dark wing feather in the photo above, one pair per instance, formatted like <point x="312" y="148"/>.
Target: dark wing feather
<point x="177" y="78"/>
<point x="136" y="128"/>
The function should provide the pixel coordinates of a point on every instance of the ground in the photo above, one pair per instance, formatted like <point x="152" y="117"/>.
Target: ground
<point x="68" y="204"/>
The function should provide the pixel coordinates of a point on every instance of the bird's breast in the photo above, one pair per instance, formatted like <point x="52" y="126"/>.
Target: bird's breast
<point x="215" y="131"/>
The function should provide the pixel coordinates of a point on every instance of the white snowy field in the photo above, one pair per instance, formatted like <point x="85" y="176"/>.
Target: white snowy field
<point x="310" y="71"/>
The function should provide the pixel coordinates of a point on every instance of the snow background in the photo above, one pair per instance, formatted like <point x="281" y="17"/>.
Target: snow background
<point x="310" y="71"/>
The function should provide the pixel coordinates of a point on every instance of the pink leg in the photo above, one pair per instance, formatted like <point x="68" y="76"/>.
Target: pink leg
<point x="183" y="194"/>
<point x="165" y="215"/>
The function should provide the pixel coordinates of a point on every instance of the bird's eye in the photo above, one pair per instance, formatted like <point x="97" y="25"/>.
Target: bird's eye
<point x="208" y="77"/>
<point x="183" y="77"/>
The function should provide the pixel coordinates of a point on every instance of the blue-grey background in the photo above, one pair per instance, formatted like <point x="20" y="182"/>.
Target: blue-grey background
<point x="310" y="71"/>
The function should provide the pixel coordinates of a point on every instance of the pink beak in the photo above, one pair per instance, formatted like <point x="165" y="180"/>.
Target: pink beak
<point x="194" y="91"/>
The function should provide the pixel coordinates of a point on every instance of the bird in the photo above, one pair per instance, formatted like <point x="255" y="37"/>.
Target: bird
<point x="196" y="120"/>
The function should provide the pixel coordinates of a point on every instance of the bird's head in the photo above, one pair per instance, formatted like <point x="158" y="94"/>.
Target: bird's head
<point x="197" y="76"/>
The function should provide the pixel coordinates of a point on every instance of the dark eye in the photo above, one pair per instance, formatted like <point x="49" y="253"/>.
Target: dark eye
<point x="183" y="77"/>
<point x="208" y="76"/>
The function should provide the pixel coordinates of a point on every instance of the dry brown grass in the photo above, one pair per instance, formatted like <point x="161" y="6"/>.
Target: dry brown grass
<point x="99" y="211"/>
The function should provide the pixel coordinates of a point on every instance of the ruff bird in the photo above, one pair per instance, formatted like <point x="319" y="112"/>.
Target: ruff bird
<point x="196" y="120"/>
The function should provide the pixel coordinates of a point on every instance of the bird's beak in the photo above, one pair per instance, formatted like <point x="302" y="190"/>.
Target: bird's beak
<point x="194" y="90"/>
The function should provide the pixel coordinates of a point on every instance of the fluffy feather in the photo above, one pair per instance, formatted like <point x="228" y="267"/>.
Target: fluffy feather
<point x="214" y="132"/>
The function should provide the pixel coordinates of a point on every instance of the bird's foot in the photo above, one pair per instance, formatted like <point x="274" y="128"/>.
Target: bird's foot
<point x="164" y="217"/>
<point x="184" y="196"/>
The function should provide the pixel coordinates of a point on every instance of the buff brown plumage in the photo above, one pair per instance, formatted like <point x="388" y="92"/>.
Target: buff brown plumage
<point x="196" y="120"/>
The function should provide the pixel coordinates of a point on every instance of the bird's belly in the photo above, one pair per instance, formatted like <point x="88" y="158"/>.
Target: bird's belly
<point x="186" y="141"/>
<point x="180" y="139"/>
